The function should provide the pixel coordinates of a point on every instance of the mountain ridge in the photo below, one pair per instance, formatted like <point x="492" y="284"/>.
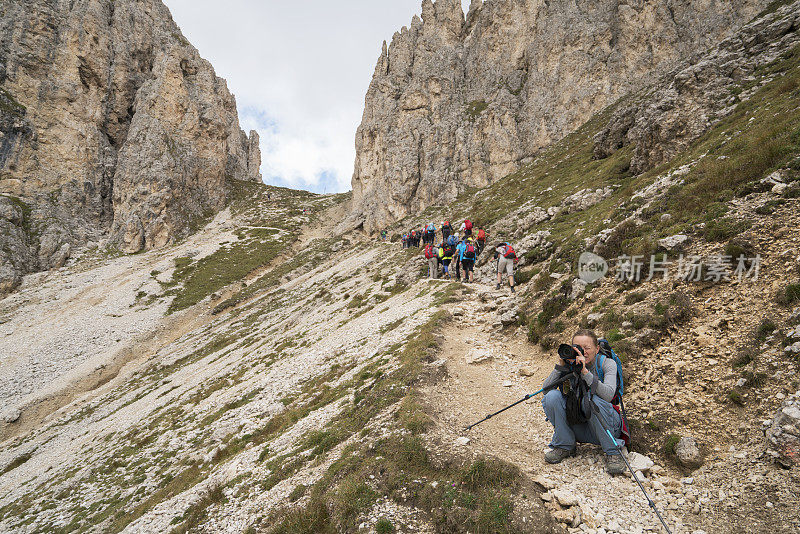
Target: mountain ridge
<point x="456" y="104"/>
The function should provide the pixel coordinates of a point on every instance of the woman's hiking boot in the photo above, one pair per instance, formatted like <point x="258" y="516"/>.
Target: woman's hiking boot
<point x="615" y="465"/>
<point x="556" y="455"/>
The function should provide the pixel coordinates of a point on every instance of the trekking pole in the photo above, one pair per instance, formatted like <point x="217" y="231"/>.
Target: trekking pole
<point x="596" y="412"/>
<point x="523" y="399"/>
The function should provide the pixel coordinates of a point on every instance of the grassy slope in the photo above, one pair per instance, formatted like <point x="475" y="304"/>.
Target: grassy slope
<point x="270" y="228"/>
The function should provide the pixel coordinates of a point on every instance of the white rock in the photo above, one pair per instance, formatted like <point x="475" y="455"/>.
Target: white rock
<point x="640" y="462"/>
<point x="462" y="441"/>
<point x="477" y="356"/>
<point x="544" y="482"/>
<point x="794" y="348"/>
<point x="565" y="498"/>
<point x="508" y="383"/>
<point x="674" y="241"/>
<point x="11" y="415"/>
<point x="687" y="452"/>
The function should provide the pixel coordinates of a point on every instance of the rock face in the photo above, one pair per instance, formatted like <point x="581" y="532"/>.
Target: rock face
<point x="456" y="103"/>
<point x="661" y="123"/>
<point x="111" y="125"/>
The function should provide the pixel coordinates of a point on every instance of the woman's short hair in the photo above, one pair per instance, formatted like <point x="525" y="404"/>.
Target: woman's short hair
<point x="587" y="333"/>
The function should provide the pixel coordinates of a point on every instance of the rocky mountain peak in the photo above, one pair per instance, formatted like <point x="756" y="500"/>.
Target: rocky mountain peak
<point x="456" y="104"/>
<point x="112" y="129"/>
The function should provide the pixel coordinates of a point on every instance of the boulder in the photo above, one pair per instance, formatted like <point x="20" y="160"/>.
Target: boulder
<point x="593" y="318"/>
<point x="783" y="437"/>
<point x="688" y="453"/>
<point x="794" y="348"/>
<point x="673" y="242"/>
<point x="509" y="317"/>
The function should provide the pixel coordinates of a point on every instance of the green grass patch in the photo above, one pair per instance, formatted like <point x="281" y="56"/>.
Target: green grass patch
<point x="16" y="462"/>
<point x="475" y="108"/>
<point x="789" y="295"/>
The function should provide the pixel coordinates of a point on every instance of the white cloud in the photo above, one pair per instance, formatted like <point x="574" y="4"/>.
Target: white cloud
<point x="299" y="71"/>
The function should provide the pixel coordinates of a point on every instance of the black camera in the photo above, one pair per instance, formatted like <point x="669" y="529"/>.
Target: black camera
<point x="568" y="353"/>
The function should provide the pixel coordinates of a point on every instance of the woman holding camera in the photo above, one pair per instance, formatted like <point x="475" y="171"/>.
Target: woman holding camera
<point x="585" y="348"/>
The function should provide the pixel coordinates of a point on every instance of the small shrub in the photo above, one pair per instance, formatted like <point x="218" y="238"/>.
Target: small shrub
<point x="551" y="308"/>
<point x="490" y="473"/>
<point x="680" y="308"/>
<point x="737" y="247"/>
<point x="743" y="358"/>
<point x="754" y="380"/>
<point x="789" y="295"/>
<point x="412" y="416"/>
<point x="764" y="329"/>
<point x="543" y="282"/>
<point x="723" y="229"/>
<point x="495" y="514"/>
<point x="384" y="526"/>
<point x="475" y="108"/>
<point x="633" y="298"/>
<point x="669" y="444"/>
<point x="735" y="397"/>
<point x="536" y="255"/>
<point x="614" y="335"/>
<point x="523" y="276"/>
<point x="548" y="342"/>
<point x="534" y="335"/>
<point x="314" y="518"/>
<point x="297" y="492"/>
<point x="352" y="498"/>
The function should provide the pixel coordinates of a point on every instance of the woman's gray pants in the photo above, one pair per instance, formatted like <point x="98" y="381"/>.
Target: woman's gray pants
<point x="567" y="435"/>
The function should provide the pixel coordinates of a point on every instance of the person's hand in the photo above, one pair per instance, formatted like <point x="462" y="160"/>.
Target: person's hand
<point x="581" y="359"/>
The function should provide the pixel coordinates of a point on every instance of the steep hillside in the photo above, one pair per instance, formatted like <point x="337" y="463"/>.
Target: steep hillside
<point x="112" y="128"/>
<point x="277" y="373"/>
<point x="458" y="103"/>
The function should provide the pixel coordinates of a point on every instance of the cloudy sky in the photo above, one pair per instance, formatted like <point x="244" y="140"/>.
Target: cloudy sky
<point x="300" y="70"/>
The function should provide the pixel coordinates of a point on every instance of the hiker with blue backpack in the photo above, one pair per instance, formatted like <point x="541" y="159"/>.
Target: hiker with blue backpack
<point x="430" y="234"/>
<point x="460" y="247"/>
<point x="567" y="407"/>
<point x="468" y="256"/>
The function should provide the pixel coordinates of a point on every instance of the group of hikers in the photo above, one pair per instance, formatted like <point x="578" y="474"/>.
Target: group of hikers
<point x="454" y="256"/>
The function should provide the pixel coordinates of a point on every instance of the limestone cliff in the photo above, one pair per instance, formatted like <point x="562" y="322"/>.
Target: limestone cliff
<point x="111" y="125"/>
<point x="456" y="103"/>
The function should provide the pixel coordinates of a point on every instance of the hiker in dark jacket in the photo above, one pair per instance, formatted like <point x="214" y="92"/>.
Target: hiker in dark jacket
<point x="447" y="230"/>
<point x="603" y="391"/>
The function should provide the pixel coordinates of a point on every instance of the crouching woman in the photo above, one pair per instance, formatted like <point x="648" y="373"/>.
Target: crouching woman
<point x="602" y="384"/>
